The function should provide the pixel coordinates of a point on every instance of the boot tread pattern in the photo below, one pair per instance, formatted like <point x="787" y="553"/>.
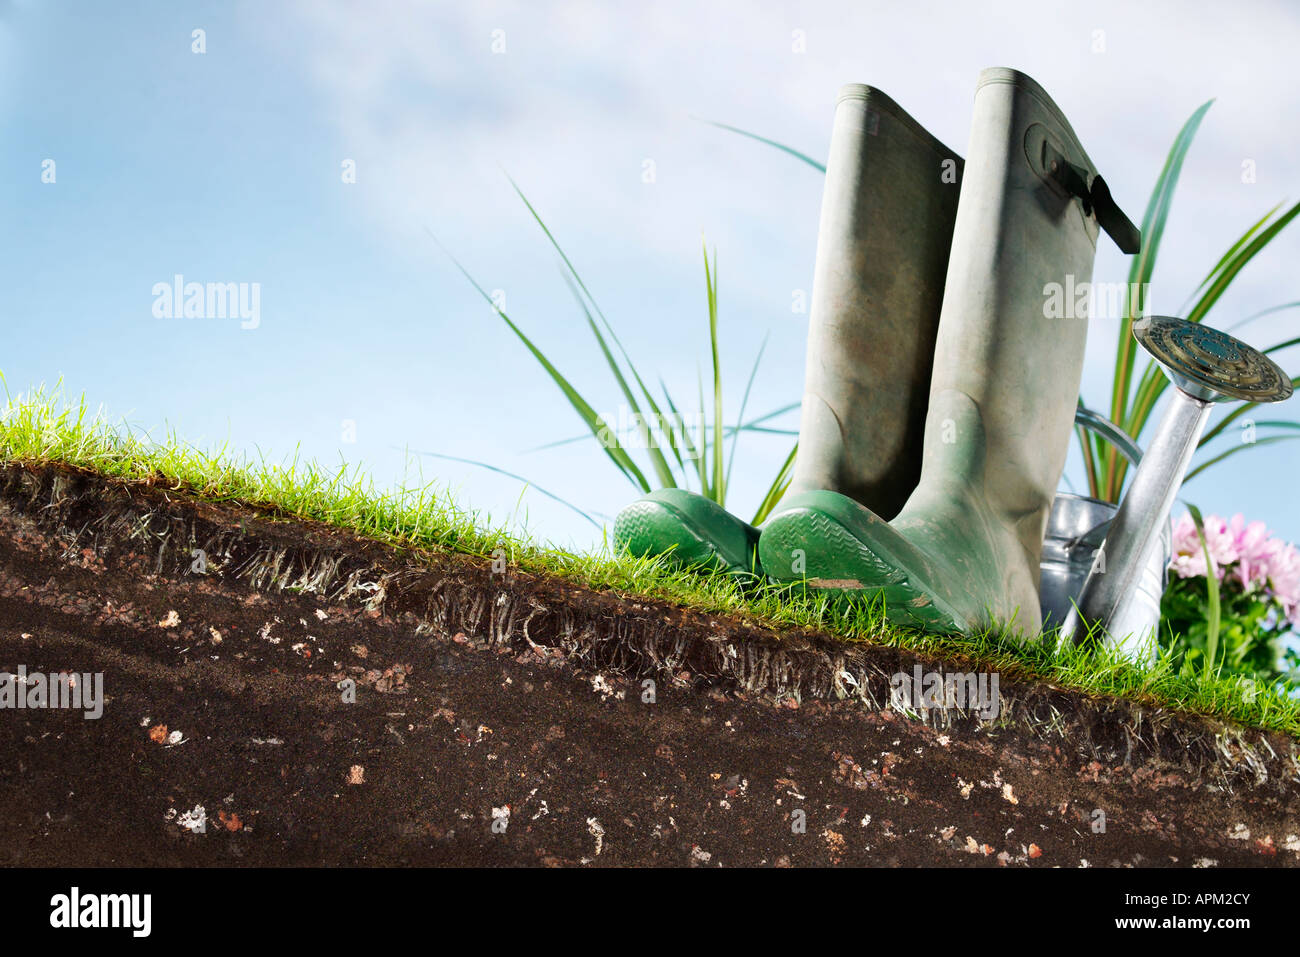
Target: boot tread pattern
<point x="829" y="545"/>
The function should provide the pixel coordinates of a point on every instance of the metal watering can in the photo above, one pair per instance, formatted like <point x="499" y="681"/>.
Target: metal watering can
<point x="1076" y="531"/>
<point x="1205" y="366"/>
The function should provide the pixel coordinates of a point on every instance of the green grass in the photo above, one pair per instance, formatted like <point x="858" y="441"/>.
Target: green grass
<point x="41" y="427"/>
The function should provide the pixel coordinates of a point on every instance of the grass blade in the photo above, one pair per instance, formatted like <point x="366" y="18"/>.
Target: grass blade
<point x="763" y="139"/>
<point x="1089" y="463"/>
<point x="1235" y="414"/>
<point x="555" y="244"/>
<point x="709" y="491"/>
<point x="1154" y="382"/>
<point x="1212" y="589"/>
<point x="607" y="437"/>
<point x="740" y="417"/>
<point x="1261" y="314"/>
<point x="711" y="279"/>
<point x="657" y="459"/>
<point x="777" y="489"/>
<point x="501" y="471"/>
<point x="692" y="452"/>
<point x="1234" y="450"/>
<point x="1153" y="226"/>
<point x="1232" y="251"/>
<point x="1238" y="262"/>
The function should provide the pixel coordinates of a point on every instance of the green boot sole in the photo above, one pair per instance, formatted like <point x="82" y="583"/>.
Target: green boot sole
<point x="691" y="530"/>
<point x="835" y="545"/>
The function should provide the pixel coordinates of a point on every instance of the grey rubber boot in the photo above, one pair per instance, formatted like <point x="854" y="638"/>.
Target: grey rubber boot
<point x="882" y="252"/>
<point x="964" y="552"/>
<point x="887" y="215"/>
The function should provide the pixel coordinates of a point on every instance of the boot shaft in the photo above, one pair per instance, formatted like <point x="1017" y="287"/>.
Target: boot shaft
<point x="1019" y="235"/>
<point x="888" y="208"/>
<point x="964" y="552"/>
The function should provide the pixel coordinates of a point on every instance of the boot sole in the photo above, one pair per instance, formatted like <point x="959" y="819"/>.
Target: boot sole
<point x="843" y="557"/>
<point x="685" y="528"/>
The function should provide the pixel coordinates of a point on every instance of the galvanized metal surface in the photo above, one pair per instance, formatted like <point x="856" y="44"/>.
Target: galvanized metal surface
<point x="1076" y="529"/>
<point x="1205" y="365"/>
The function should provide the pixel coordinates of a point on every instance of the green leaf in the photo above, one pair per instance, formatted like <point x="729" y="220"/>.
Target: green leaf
<point x="751" y="426"/>
<point x="1143" y="264"/>
<point x="1261" y="424"/>
<point x="603" y="433"/>
<point x="1232" y="251"/>
<point x="501" y="471"/>
<point x="763" y="139"/>
<point x="708" y="490"/>
<point x="1238" y="262"/>
<point x="657" y="459"/>
<point x="693" y="453"/>
<point x="649" y="398"/>
<point x="1259" y="315"/>
<point x="1236" y="413"/>
<point x="1154" y="382"/>
<point x="744" y="401"/>
<point x="777" y="489"/>
<point x="1234" y="450"/>
<point x="711" y="280"/>
<point x="1212" y="591"/>
<point x="1089" y="461"/>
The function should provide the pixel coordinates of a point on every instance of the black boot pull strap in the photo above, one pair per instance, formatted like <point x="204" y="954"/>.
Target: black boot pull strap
<point x="1097" y="199"/>
<point x="1112" y="219"/>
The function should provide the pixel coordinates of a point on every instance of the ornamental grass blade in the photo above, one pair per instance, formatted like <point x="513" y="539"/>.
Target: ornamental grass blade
<point x="711" y="279"/>
<point x="657" y="459"/>
<point x="740" y="417"/>
<point x="1154" y="382"/>
<point x="777" y="489"/>
<point x="609" y="328"/>
<point x="500" y="471"/>
<point x="607" y="437"/>
<point x="1270" y="440"/>
<point x="763" y="139"/>
<point x="1143" y="264"/>
<point x="692" y="451"/>
<point x="1212" y="591"/>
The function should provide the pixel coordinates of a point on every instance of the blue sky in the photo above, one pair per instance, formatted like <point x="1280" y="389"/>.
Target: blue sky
<point x="225" y="166"/>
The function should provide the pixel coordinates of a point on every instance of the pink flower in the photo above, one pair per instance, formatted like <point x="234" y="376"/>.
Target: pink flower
<point x="1189" y="558"/>
<point x="1284" y="576"/>
<point x="1255" y="550"/>
<point x="1245" y="552"/>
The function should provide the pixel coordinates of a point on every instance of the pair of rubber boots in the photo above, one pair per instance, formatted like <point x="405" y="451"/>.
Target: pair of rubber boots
<point x="940" y="387"/>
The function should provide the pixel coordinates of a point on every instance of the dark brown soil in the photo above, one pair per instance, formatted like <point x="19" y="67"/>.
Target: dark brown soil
<point x="501" y="718"/>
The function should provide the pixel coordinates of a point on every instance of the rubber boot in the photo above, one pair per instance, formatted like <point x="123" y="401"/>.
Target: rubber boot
<point x="964" y="552"/>
<point x="887" y="216"/>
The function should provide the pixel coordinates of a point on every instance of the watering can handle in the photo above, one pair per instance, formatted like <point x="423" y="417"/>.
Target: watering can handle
<point x="1112" y="433"/>
<point x="1108" y="430"/>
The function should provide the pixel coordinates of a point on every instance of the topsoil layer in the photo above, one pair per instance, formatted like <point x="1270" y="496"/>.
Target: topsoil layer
<point x="506" y="718"/>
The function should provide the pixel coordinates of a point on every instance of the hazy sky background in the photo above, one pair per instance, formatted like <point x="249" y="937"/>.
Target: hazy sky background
<point x="226" y="167"/>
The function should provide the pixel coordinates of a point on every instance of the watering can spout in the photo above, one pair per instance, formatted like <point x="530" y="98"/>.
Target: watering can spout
<point x="1076" y="529"/>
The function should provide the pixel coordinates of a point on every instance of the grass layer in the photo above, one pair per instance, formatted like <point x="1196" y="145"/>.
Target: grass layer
<point x="41" y="428"/>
